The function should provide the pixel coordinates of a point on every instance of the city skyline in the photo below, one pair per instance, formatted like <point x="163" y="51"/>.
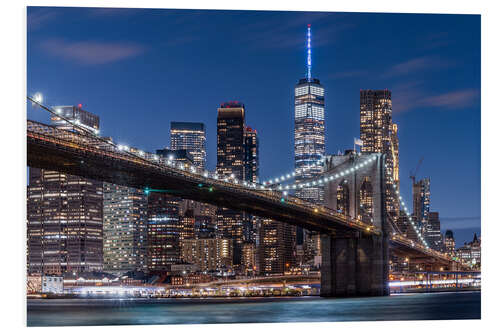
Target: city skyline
<point x="276" y="141"/>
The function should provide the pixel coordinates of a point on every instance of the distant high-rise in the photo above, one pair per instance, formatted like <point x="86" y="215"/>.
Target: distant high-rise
<point x="209" y="254"/>
<point x="379" y="135"/>
<point x="432" y="233"/>
<point x="251" y="155"/>
<point x="230" y="140"/>
<point x="163" y="232"/>
<point x="64" y="212"/>
<point x="421" y="203"/>
<point x="275" y="251"/>
<point x="191" y="137"/>
<point x="124" y="229"/>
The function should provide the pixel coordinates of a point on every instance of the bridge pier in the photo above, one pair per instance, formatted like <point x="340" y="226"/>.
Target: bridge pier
<point x="354" y="266"/>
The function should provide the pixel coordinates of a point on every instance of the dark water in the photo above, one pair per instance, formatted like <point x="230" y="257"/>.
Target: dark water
<point x="463" y="305"/>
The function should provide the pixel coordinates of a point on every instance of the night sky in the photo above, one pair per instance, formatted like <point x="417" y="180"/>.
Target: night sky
<point x="139" y="69"/>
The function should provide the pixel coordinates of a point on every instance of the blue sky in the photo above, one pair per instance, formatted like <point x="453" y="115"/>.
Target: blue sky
<point x="139" y="69"/>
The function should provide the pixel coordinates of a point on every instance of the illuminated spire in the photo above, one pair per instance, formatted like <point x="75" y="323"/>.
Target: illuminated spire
<point x="309" y="53"/>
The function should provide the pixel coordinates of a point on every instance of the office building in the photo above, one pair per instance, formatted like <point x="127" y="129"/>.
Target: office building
<point x="209" y="254"/>
<point x="275" y="250"/>
<point x="249" y="260"/>
<point x="64" y="212"/>
<point x="432" y="233"/>
<point x="251" y="144"/>
<point x="124" y="229"/>
<point x="163" y="232"/>
<point x="231" y="163"/>
<point x="379" y="135"/>
<point x="309" y="131"/>
<point x="309" y="141"/>
<point x="191" y="137"/>
<point x="421" y="203"/>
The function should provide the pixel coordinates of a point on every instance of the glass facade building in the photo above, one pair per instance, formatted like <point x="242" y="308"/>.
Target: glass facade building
<point x="124" y="228"/>
<point x="191" y="137"/>
<point x="379" y="135"/>
<point x="164" y="230"/>
<point x="65" y="213"/>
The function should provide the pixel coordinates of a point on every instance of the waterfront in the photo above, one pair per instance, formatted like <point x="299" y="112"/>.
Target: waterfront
<point x="78" y="312"/>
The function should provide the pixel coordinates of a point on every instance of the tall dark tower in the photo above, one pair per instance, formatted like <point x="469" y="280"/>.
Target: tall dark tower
<point x="231" y="164"/>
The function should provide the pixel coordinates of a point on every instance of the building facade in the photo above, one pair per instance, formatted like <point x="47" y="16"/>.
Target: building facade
<point x="209" y="254"/>
<point x="422" y="203"/>
<point x="379" y="135"/>
<point x="124" y="229"/>
<point x="64" y="212"/>
<point x="432" y="233"/>
<point x="275" y="250"/>
<point x="191" y="137"/>
<point x="163" y="228"/>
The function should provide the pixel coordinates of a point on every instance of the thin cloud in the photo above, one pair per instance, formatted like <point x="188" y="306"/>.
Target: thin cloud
<point x="416" y="65"/>
<point x="453" y="100"/>
<point x="38" y="17"/>
<point x="411" y="95"/>
<point x="92" y="53"/>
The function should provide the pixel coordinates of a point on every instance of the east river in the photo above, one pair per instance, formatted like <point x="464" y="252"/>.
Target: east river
<point x="73" y="312"/>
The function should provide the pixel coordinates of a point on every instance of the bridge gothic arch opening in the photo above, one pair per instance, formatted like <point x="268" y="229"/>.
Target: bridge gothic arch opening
<point x="343" y="202"/>
<point x="366" y="200"/>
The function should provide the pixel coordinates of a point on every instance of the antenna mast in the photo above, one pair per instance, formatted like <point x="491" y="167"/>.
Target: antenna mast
<point x="309" y="53"/>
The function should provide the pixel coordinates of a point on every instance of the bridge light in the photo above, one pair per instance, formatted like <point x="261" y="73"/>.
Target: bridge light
<point x="288" y="175"/>
<point x="38" y="97"/>
<point x="285" y="193"/>
<point x="276" y="180"/>
<point x="205" y="174"/>
<point x="282" y="178"/>
<point x="293" y="173"/>
<point x="294" y="187"/>
<point x="211" y="189"/>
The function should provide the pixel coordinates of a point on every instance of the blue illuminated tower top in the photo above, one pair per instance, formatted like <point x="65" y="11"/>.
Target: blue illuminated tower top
<point x="309" y="63"/>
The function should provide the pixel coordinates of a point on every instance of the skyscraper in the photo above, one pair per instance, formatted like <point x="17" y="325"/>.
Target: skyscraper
<point x="163" y="232"/>
<point x="191" y="137"/>
<point x="64" y="212"/>
<point x="251" y="155"/>
<point x="309" y="134"/>
<point x="231" y="164"/>
<point x="237" y="157"/>
<point x="421" y="203"/>
<point x="432" y="233"/>
<point x="379" y="135"/>
<point x="275" y="251"/>
<point x="124" y="229"/>
<point x="230" y="140"/>
<point x="309" y="129"/>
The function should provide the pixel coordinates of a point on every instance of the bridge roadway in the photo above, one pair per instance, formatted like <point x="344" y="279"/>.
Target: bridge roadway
<point x="91" y="157"/>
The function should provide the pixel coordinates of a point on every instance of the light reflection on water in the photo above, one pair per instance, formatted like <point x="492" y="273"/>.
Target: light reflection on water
<point x="76" y="312"/>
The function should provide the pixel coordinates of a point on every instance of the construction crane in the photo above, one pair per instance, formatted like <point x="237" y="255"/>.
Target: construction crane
<point x="413" y="174"/>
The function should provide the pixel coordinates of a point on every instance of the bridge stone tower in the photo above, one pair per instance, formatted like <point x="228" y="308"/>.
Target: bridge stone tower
<point x="356" y="263"/>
